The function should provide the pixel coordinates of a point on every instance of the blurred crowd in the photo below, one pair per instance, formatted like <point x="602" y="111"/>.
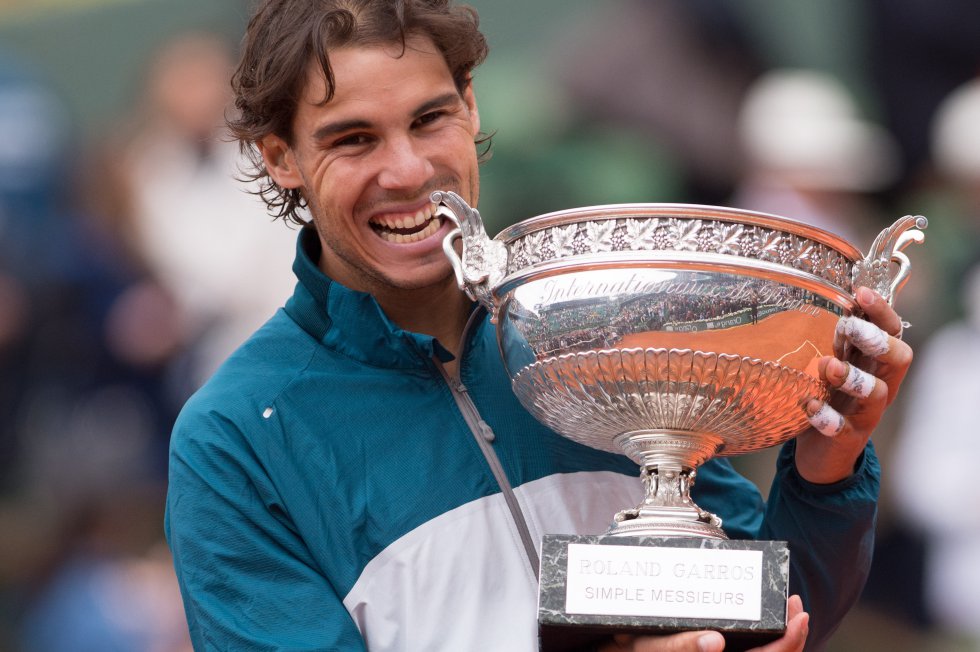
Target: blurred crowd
<point x="133" y="262"/>
<point x="128" y="270"/>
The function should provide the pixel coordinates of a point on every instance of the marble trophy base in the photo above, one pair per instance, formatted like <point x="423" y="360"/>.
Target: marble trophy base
<point x="592" y="587"/>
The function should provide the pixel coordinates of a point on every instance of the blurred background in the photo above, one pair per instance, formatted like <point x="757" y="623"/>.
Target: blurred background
<point x="128" y="252"/>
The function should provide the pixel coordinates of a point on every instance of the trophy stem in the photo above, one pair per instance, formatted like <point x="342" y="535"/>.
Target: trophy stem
<point x="668" y="467"/>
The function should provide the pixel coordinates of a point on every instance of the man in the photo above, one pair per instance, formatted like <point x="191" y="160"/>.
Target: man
<point x="359" y="474"/>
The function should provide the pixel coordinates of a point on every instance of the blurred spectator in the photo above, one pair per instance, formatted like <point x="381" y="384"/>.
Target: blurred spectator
<point x="810" y="156"/>
<point x="84" y="426"/>
<point x="208" y="241"/>
<point x="32" y="130"/>
<point x="60" y="278"/>
<point x="955" y="202"/>
<point x="85" y="423"/>
<point x="675" y="71"/>
<point x="934" y="482"/>
<point x="114" y="588"/>
<point x="920" y="51"/>
<point x="113" y="314"/>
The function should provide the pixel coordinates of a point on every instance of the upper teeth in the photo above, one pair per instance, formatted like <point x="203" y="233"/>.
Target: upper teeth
<point x="405" y="221"/>
<point x="387" y="225"/>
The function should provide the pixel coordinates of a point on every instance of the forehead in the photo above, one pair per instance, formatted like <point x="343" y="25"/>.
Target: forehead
<point x="378" y="71"/>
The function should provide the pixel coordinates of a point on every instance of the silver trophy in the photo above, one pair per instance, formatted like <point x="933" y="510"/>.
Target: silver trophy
<point x="672" y="333"/>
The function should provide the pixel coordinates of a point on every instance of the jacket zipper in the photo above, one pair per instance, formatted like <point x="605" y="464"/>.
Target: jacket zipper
<point x="484" y="436"/>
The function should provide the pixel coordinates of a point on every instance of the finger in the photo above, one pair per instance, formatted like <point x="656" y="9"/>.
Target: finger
<point x="892" y="356"/>
<point x="684" y="642"/>
<point x="895" y="367"/>
<point x="619" y="643"/>
<point x="851" y="379"/>
<point x="869" y="338"/>
<point x="824" y="419"/>
<point x="794" y="607"/>
<point x="879" y="311"/>
<point x="797" y="629"/>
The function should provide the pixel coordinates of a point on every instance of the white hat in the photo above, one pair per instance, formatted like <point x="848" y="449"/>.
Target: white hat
<point x="956" y="132"/>
<point x="804" y="125"/>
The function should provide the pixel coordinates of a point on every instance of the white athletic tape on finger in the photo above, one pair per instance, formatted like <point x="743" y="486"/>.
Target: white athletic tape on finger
<point x="839" y="339"/>
<point x="858" y="383"/>
<point x="827" y="421"/>
<point x="864" y="335"/>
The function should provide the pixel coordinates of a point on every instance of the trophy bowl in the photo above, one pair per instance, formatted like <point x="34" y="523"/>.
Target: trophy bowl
<point x="671" y="333"/>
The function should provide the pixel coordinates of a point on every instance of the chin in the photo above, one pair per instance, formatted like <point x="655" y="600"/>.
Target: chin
<point x="435" y="279"/>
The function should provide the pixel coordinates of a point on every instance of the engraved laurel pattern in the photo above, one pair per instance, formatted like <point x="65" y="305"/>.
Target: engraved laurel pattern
<point x="681" y="235"/>
<point x="874" y="273"/>
<point x="593" y="397"/>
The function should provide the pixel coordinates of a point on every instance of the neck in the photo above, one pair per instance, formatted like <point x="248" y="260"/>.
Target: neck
<point x="441" y="313"/>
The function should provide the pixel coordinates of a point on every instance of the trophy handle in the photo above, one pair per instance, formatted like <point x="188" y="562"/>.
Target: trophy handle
<point x="875" y="270"/>
<point x="483" y="262"/>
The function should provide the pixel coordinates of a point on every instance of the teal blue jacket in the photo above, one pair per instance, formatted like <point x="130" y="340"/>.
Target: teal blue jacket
<point x="332" y="488"/>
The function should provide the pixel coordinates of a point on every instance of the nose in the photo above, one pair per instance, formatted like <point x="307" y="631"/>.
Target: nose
<point x="406" y="166"/>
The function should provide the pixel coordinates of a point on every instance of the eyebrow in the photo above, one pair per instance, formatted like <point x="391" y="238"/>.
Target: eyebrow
<point x="438" y="102"/>
<point x="334" y="128"/>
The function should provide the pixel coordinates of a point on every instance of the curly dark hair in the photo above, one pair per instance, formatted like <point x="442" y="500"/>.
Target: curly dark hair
<point x="284" y="37"/>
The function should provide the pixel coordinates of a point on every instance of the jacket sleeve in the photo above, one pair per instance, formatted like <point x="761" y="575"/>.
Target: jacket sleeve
<point x="830" y="531"/>
<point x="248" y="581"/>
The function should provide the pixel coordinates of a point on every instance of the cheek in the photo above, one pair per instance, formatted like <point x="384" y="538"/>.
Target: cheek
<point x="337" y="185"/>
<point x="457" y="152"/>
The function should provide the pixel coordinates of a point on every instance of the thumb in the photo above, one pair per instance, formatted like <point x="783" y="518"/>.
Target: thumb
<point x="710" y="642"/>
<point x="685" y="642"/>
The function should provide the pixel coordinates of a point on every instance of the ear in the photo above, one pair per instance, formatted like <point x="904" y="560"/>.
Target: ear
<point x="470" y="98"/>
<point x="280" y="161"/>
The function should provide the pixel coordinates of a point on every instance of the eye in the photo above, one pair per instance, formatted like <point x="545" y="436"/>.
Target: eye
<point x="429" y="118"/>
<point x="351" y="140"/>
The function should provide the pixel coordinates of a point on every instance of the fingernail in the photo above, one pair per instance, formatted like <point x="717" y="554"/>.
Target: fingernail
<point x="812" y="407"/>
<point x="866" y="297"/>
<point x="836" y="371"/>
<point x="711" y="642"/>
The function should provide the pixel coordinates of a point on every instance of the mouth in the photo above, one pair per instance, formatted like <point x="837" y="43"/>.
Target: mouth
<point x="405" y="229"/>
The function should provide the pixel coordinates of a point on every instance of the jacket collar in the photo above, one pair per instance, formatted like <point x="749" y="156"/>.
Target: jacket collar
<point x="352" y="322"/>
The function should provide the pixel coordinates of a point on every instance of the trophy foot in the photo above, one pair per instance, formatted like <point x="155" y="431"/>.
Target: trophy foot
<point x="667" y="522"/>
<point x="668" y="475"/>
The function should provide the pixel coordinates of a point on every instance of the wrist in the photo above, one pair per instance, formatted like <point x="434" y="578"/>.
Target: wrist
<point x="825" y="474"/>
<point x="830" y="474"/>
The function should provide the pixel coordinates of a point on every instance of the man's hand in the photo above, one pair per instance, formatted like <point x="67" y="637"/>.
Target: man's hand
<point x="707" y="641"/>
<point x="828" y="451"/>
